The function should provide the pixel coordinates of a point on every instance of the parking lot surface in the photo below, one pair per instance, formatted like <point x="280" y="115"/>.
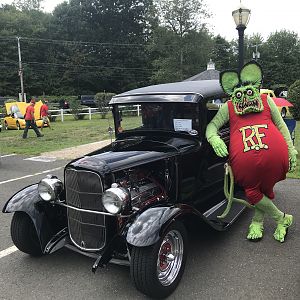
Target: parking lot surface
<point x="220" y="265"/>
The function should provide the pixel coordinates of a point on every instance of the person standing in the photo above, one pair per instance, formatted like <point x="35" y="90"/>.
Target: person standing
<point x="44" y="114"/>
<point x="29" y="119"/>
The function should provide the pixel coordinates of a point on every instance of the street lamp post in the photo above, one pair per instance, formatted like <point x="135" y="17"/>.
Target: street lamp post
<point x="241" y="18"/>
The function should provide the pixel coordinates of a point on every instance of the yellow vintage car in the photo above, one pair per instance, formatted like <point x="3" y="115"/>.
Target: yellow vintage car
<point x="15" y="115"/>
<point x="281" y="103"/>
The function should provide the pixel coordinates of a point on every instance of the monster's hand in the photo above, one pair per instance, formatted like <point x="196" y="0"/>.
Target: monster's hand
<point x="293" y="159"/>
<point x="219" y="146"/>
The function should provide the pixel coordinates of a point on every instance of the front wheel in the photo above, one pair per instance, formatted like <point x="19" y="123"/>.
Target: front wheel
<point x="18" y="125"/>
<point x="5" y="125"/>
<point x="23" y="234"/>
<point x="156" y="270"/>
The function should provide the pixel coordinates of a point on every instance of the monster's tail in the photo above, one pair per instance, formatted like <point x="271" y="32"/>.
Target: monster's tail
<point x="229" y="191"/>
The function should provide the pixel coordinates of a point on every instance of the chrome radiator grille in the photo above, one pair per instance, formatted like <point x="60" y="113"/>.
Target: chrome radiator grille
<point x="83" y="191"/>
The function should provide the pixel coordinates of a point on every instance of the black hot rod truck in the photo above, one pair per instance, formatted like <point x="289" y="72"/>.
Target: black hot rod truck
<point x="128" y="202"/>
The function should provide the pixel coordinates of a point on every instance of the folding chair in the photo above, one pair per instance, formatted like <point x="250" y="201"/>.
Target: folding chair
<point x="291" y="125"/>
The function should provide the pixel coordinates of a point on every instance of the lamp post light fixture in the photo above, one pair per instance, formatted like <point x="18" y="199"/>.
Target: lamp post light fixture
<point x="241" y="18"/>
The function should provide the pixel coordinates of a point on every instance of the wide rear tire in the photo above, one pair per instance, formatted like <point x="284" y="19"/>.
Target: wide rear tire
<point x="23" y="234"/>
<point x="157" y="270"/>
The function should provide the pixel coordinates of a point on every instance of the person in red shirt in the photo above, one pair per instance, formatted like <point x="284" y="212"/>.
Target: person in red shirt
<point x="29" y="119"/>
<point x="44" y="114"/>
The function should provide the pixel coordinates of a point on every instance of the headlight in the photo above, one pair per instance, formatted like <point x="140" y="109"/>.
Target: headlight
<point x="50" y="188"/>
<point x="114" y="199"/>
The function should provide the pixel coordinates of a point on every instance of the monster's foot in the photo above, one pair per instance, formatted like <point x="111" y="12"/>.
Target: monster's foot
<point x="282" y="228"/>
<point x="255" y="232"/>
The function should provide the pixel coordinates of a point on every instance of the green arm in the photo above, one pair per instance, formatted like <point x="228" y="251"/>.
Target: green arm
<point x="220" y="119"/>
<point x="280" y="124"/>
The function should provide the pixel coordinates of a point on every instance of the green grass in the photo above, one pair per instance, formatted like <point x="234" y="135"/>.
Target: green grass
<point x="73" y="133"/>
<point x="64" y="134"/>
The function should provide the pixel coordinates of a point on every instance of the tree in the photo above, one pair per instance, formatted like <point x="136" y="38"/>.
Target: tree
<point x="294" y="97"/>
<point x="223" y="54"/>
<point x="280" y="58"/>
<point x="102" y="100"/>
<point x="115" y="33"/>
<point x="165" y="54"/>
<point x="15" y="23"/>
<point x="28" y="4"/>
<point x="181" y="17"/>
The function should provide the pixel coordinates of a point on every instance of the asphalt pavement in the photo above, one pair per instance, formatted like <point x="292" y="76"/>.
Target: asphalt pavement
<point x="221" y="265"/>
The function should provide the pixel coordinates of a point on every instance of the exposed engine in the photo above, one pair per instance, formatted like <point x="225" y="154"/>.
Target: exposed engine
<point x="143" y="187"/>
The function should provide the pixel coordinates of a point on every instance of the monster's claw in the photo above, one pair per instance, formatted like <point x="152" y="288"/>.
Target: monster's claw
<point x="255" y="232"/>
<point x="219" y="146"/>
<point x="282" y="228"/>
<point x="293" y="160"/>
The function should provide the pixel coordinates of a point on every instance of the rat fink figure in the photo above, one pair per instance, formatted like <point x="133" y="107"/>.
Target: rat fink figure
<point x="261" y="151"/>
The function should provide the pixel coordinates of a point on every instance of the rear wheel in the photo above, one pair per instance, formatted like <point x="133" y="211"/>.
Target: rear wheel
<point x="18" y="125"/>
<point x="157" y="270"/>
<point x="283" y="112"/>
<point x="23" y="234"/>
<point x="5" y="125"/>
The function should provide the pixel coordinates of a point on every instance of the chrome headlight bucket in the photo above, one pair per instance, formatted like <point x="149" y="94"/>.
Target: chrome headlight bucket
<point x="115" y="199"/>
<point x="49" y="188"/>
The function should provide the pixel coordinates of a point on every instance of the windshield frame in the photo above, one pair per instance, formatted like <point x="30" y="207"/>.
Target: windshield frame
<point x="195" y="121"/>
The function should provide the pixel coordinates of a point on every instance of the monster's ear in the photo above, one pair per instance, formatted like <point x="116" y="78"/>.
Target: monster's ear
<point x="229" y="80"/>
<point x="251" y="73"/>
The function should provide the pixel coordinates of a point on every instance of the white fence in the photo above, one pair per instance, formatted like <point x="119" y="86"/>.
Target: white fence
<point x="61" y="113"/>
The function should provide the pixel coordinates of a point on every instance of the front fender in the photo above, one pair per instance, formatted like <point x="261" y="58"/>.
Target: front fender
<point x="23" y="200"/>
<point x="146" y="228"/>
<point x="29" y="201"/>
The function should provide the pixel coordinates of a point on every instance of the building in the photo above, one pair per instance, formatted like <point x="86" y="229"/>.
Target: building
<point x="209" y="74"/>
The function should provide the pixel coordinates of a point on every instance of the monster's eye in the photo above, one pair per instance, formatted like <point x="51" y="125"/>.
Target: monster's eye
<point x="250" y="92"/>
<point x="238" y="95"/>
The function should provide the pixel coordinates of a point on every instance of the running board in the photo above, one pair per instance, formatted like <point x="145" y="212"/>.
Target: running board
<point x="212" y="214"/>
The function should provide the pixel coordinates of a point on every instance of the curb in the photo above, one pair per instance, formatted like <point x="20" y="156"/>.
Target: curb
<point x="77" y="151"/>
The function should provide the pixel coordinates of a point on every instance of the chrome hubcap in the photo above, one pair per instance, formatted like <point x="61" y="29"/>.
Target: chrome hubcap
<point x="170" y="258"/>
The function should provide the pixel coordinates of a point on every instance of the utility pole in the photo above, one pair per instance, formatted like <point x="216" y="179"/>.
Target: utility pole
<point x="20" y="70"/>
<point x="256" y="54"/>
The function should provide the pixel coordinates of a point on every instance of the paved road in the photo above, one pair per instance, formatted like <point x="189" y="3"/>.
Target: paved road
<point x="220" y="265"/>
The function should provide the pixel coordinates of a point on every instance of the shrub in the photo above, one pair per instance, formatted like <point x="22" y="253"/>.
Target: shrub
<point x="75" y="109"/>
<point x="102" y="100"/>
<point x="294" y="97"/>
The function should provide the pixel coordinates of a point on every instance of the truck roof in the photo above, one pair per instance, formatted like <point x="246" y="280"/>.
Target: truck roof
<point x="184" y="91"/>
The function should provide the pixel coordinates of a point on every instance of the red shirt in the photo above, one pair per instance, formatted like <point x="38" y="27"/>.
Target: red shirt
<point x="44" y="110"/>
<point x="258" y="152"/>
<point x="29" y="115"/>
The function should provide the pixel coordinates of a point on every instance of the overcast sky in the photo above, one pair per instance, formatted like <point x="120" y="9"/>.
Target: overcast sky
<point x="267" y="16"/>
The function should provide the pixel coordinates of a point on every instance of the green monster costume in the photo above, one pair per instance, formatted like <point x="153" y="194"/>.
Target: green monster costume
<point x="261" y="150"/>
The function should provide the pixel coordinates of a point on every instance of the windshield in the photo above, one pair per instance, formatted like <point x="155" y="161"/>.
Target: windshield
<point x="18" y="115"/>
<point x="180" y="117"/>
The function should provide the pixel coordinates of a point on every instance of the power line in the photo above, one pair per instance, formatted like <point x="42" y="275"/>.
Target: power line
<point x="85" y="66"/>
<point x="84" y="43"/>
<point x="49" y="72"/>
<point x="66" y="65"/>
<point x="72" y="42"/>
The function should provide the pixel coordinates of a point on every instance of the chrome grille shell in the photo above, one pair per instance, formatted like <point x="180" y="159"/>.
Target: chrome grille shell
<point x="84" y="190"/>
